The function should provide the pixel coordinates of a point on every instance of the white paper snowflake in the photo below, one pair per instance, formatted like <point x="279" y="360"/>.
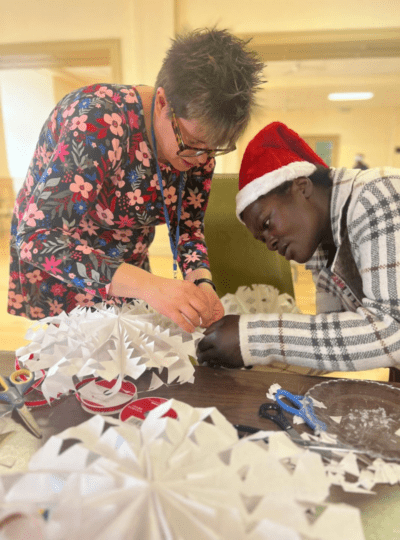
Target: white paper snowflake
<point x="259" y="298"/>
<point x="108" y="342"/>
<point x="176" y="479"/>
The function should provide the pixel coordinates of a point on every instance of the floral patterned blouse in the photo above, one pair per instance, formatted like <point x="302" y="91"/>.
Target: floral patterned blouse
<point x="91" y="201"/>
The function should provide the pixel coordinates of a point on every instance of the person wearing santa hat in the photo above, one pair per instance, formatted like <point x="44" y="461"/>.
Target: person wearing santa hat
<point x="345" y="224"/>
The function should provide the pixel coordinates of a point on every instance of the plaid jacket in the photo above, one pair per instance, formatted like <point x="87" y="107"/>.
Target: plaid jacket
<point x="357" y="326"/>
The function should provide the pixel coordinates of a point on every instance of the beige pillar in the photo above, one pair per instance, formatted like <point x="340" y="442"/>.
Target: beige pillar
<point x="149" y="27"/>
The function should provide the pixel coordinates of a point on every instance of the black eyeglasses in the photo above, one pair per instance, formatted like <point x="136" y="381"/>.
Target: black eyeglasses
<point x="191" y="151"/>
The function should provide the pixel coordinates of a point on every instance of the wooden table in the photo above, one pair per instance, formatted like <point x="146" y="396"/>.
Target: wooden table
<point x="237" y="394"/>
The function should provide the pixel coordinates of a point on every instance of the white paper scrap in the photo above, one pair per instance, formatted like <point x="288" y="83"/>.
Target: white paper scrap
<point x="272" y="390"/>
<point x="310" y="480"/>
<point x="318" y="404"/>
<point x="338" y="522"/>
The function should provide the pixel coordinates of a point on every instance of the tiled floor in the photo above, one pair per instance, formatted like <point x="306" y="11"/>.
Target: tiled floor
<point x="13" y="329"/>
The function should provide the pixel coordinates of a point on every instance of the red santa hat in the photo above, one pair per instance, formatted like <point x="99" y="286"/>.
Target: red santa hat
<point x="275" y="155"/>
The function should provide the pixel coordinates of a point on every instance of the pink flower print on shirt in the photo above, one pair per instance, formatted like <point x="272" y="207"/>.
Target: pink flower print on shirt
<point x="139" y="248"/>
<point x="130" y="95"/>
<point x="133" y="120"/>
<point x="53" y="120"/>
<point x="79" y="122"/>
<point x="125" y="221"/>
<point x="135" y="197"/>
<point x="58" y="290"/>
<point x="26" y="253"/>
<point x="105" y="214"/>
<point x="207" y="185"/>
<point x="61" y="151"/>
<point x="84" y="247"/>
<point x="36" y="312"/>
<point x="195" y="200"/>
<point x="32" y="214"/>
<point x="154" y="182"/>
<point x="88" y="226"/>
<point x="55" y="307"/>
<point x="118" y="178"/>
<point x="201" y="247"/>
<point x="70" y="109"/>
<point x="115" y="122"/>
<point x="143" y="154"/>
<point x="80" y="186"/>
<point x="51" y="265"/>
<point x="34" y="276"/>
<point x="191" y="257"/>
<point x="84" y="300"/>
<point x="115" y="155"/>
<point x="29" y="181"/>
<point x="195" y="224"/>
<point x="183" y="238"/>
<point x="15" y="300"/>
<point x="103" y="91"/>
<point x="43" y="156"/>
<point x="123" y="235"/>
<point x="170" y="195"/>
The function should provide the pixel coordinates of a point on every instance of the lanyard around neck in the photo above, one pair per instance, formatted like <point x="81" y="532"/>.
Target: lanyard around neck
<point x="174" y="247"/>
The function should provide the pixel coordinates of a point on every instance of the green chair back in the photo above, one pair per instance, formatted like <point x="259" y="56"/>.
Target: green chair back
<point x="236" y="258"/>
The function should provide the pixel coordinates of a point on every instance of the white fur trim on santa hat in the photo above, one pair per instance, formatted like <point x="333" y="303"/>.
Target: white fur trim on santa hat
<point x="269" y="181"/>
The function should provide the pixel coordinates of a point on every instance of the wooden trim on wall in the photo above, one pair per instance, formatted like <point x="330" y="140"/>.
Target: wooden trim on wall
<point x="60" y="54"/>
<point x="357" y="43"/>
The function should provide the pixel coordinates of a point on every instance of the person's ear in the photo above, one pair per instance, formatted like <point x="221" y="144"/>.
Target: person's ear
<point x="161" y="100"/>
<point x="304" y="185"/>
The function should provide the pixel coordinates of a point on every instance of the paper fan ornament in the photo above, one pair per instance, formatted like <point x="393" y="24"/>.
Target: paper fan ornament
<point x="178" y="479"/>
<point x="109" y="342"/>
<point x="259" y="298"/>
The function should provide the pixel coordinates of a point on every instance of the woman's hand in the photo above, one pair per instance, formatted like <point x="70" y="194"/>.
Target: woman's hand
<point x="221" y="344"/>
<point x="216" y="308"/>
<point x="182" y="301"/>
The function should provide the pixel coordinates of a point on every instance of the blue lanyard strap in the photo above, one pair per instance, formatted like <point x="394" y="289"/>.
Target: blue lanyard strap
<point x="174" y="248"/>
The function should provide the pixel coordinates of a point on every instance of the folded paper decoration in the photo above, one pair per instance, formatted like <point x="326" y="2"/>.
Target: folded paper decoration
<point x="258" y="298"/>
<point x="176" y="479"/>
<point x="109" y="342"/>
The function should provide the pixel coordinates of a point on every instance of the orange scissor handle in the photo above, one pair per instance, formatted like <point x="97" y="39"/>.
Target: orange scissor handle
<point x="21" y="376"/>
<point x="3" y="384"/>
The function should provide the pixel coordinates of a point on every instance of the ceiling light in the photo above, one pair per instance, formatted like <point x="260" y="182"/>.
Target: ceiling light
<point x="348" y="96"/>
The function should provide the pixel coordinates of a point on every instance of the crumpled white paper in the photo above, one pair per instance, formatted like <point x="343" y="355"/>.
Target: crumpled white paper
<point x="176" y="479"/>
<point x="108" y="342"/>
<point x="260" y="298"/>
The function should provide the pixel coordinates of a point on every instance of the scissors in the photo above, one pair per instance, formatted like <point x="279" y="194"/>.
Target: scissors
<point x="12" y="391"/>
<point x="302" y="406"/>
<point x="274" y="412"/>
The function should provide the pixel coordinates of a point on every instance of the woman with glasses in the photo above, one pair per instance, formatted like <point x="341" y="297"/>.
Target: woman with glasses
<point x="113" y="162"/>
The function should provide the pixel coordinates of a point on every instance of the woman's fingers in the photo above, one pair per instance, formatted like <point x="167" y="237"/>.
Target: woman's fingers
<point x="183" y="323"/>
<point x="201" y="306"/>
<point x="181" y="301"/>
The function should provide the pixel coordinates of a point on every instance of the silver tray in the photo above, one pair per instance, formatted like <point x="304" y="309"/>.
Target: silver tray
<point x="369" y="414"/>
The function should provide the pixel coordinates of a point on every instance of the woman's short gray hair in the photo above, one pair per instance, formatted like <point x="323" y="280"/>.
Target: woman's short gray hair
<point x="212" y="76"/>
